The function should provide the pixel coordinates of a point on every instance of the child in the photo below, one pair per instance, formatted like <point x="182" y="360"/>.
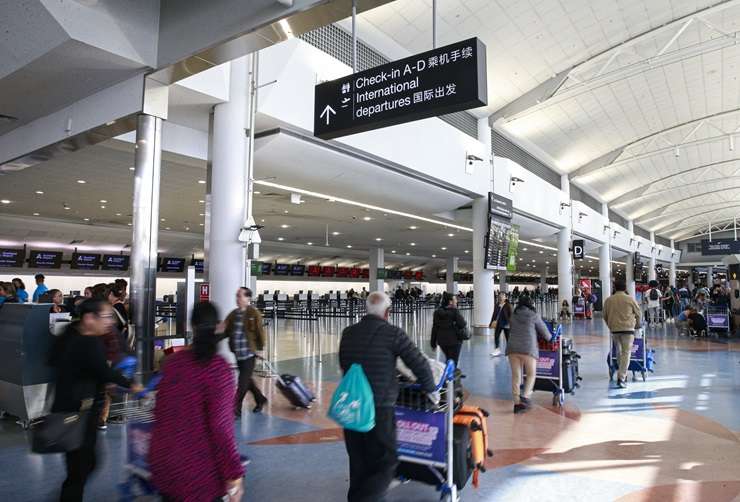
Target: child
<point x="565" y="310"/>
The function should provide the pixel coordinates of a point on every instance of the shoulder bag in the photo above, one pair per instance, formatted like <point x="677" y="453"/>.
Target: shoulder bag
<point x="60" y="432"/>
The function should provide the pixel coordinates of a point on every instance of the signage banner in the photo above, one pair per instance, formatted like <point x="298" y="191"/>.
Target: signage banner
<point x="578" y="250"/>
<point x="718" y="320"/>
<point x="445" y="80"/>
<point x="513" y="249"/>
<point x="719" y="247"/>
<point x="638" y="349"/>
<point x="421" y="434"/>
<point x="548" y="365"/>
<point x="204" y="292"/>
<point x="500" y="206"/>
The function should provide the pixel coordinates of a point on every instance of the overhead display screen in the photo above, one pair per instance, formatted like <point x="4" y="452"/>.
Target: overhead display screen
<point x="297" y="270"/>
<point x="314" y="270"/>
<point x="343" y="272"/>
<point x="85" y="261"/>
<point x="419" y="275"/>
<point x="198" y="263"/>
<point x="355" y="273"/>
<point x="12" y="257"/>
<point x="172" y="265"/>
<point x="118" y="262"/>
<point x="365" y="273"/>
<point x="328" y="271"/>
<point x="45" y="259"/>
<point x="266" y="268"/>
<point x="395" y="274"/>
<point x="282" y="269"/>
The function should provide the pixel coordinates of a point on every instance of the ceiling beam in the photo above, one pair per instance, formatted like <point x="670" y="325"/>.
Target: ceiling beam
<point x="722" y="225"/>
<point x="640" y="192"/>
<point x="535" y="96"/>
<point x="651" y="214"/>
<point x="677" y="221"/>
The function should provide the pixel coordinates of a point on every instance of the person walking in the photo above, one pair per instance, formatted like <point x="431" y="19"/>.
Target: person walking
<point x="622" y="315"/>
<point x="449" y="328"/>
<point x="500" y="322"/>
<point x="40" y="288"/>
<point x="375" y="344"/>
<point x="193" y="453"/>
<point x="654" y="297"/>
<point x="246" y="336"/>
<point x="81" y="375"/>
<point x="522" y="349"/>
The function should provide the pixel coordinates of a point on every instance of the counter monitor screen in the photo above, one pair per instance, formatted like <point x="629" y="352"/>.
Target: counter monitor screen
<point x="297" y="270"/>
<point x="172" y="265"/>
<point x="354" y="273"/>
<point x="282" y="269"/>
<point x="266" y="268"/>
<point x="365" y="273"/>
<point x="342" y="271"/>
<point x="314" y="270"/>
<point x="115" y="262"/>
<point x="419" y="275"/>
<point x="85" y="261"/>
<point x="198" y="264"/>
<point x="328" y="271"/>
<point x="12" y="257"/>
<point x="45" y="259"/>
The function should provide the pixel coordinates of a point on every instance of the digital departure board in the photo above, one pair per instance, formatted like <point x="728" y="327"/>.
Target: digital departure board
<point x="328" y="271"/>
<point x="365" y="273"/>
<point x="117" y="262"/>
<point x="297" y="270"/>
<point x="314" y="271"/>
<point x="419" y="275"/>
<point x="85" y="261"/>
<point x="12" y="257"/>
<point x="172" y="265"/>
<point x="354" y="273"/>
<point x="497" y="243"/>
<point x="343" y="272"/>
<point x="45" y="259"/>
<point x="282" y="269"/>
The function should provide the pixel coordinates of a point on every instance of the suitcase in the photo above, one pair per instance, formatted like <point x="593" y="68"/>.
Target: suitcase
<point x="462" y="463"/>
<point x="571" y="377"/>
<point x="474" y="419"/>
<point x="295" y="391"/>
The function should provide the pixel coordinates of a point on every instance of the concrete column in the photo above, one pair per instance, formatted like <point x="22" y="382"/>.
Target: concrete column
<point x="482" y="278"/>
<point x="565" y="273"/>
<point x="605" y="257"/>
<point x="377" y="260"/>
<point x="147" y="164"/>
<point x="651" y="271"/>
<point x="452" y="286"/>
<point x="691" y="279"/>
<point x="629" y="268"/>
<point x="502" y="286"/>
<point x="543" y="279"/>
<point x="228" y="190"/>
<point x="672" y="266"/>
<point x="710" y="273"/>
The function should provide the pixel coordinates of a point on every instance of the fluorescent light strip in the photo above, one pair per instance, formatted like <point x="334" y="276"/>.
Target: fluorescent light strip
<point x="360" y="204"/>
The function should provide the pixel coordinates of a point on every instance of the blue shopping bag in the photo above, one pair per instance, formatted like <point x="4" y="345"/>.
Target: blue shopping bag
<point x="353" y="404"/>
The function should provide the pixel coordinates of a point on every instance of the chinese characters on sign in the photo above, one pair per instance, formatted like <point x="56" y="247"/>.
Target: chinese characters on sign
<point x="436" y="82"/>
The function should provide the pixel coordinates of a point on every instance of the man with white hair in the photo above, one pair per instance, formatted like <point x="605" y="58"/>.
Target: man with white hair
<point x="375" y="344"/>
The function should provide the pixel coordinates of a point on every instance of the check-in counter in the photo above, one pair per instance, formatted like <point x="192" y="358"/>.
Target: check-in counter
<point x="25" y="342"/>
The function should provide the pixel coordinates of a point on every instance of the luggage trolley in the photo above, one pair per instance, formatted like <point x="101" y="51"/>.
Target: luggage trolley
<point x="642" y="359"/>
<point x="550" y="367"/>
<point x="425" y="436"/>
<point x="718" y="319"/>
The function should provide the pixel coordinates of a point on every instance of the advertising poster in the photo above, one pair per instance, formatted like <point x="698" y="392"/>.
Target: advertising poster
<point x="513" y="249"/>
<point x="638" y="349"/>
<point x="548" y="365"/>
<point x="420" y="434"/>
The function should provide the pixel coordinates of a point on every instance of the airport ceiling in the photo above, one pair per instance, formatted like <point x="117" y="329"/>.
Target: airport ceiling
<point x="639" y="101"/>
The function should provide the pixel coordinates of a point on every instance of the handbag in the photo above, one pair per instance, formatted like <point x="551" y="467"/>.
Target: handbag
<point x="60" y="432"/>
<point x="462" y="332"/>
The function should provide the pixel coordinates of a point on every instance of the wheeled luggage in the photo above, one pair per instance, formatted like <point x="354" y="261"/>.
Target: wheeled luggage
<point x="571" y="377"/>
<point x="474" y="419"/>
<point x="292" y="388"/>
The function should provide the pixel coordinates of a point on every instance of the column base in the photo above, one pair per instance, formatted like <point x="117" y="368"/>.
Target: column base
<point x="482" y="331"/>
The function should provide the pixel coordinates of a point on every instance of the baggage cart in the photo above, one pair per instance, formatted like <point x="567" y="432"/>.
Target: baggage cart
<point x="550" y="370"/>
<point x="425" y="433"/>
<point x="642" y="358"/>
<point x="718" y="319"/>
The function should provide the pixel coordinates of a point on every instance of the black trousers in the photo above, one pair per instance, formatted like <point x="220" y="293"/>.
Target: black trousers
<point x="246" y="384"/>
<point x="497" y="335"/>
<point x="81" y="463"/>
<point x="452" y="352"/>
<point x="372" y="458"/>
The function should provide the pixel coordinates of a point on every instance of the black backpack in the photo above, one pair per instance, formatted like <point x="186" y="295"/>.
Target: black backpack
<point x="654" y="295"/>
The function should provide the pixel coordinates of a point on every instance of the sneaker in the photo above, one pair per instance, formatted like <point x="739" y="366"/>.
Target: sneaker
<point x="260" y="405"/>
<point x="496" y="353"/>
<point x="520" y="408"/>
<point x="621" y="384"/>
<point x="526" y="402"/>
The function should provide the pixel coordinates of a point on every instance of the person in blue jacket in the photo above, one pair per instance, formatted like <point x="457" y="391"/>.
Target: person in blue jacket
<point x="20" y="290"/>
<point x="40" y="287"/>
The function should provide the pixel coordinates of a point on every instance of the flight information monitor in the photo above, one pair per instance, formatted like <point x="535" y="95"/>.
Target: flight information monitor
<point x="328" y="271"/>
<point x="314" y="271"/>
<point x="266" y="268"/>
<point x="117" y="262"/>
<point x="172" y="265"/>
<point x="12" y="257"/>
<point x="297" y="270"/>
<point x="198" y="263"/>
<point x="45" y="259"/>
<point x="282" y="269"/>
<point x="85" y="261"/>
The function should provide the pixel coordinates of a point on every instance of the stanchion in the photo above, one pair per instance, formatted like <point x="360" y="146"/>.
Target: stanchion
<point x="264" y="370"/>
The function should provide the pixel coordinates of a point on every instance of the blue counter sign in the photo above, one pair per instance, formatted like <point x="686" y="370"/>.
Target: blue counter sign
<point x="436" y="82"/>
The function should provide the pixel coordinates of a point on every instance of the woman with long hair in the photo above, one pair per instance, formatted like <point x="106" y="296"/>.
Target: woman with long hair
<point x="525" y="326"/>
<point x="193" y="454"/>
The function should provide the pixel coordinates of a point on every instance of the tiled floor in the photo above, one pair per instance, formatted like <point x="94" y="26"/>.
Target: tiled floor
<point x="675" y="437"/>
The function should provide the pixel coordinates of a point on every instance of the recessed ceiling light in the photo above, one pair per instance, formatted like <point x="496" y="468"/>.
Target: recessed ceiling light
<point x="366" y="218"/>
<point x="521" y="259"/>
<point x="67" y="208"/>
<point x="201" y="202"/>
<point x="309" y="243"/>
<point x="450" y="235"/>
<point x="262" y="220"/>
<point x="36" y="214"/>
<point x="443" y="248"/>
<point x="434" y="256"/>
<point x="413" y="227"/>
<point x="81" y="182"/>
<point x="103" y="201"/>
<point x="408" y="254"/>
<point x="4" y="201"/>
<point x="86" y="219"/>
<point x="129" y="224"/>
<point x="394" y="251"/>
<point x="201" y="182"/>
<point x="281" y="238"/>
<point x="349" y="246"/>
<point x="554" y="254"/>
<point x="524" y="249"/>
<point x="202" y="224"/>
<point x="534" y="261"/>
<point x="102" y="207"/>
<point x="336" y="233"/>
<point x="286" y="211"/>
<point x="187" y="228"/>
<point x="132" y="168"/>
<point x="202" y="214"/>
<point x="284" y="226"/>
<point x="118" y="214"/>
<point x="166" y="228"/>
<point x="542" y="252"/>
<point x="162" y="219"/>
<point x="547" y="263"/>
<point x="378" y="239"/>
<point x="466" y="251"/>
<point x="40" y="192"/>
<point x="412" y="244"/>
<point x="256" y="192"/>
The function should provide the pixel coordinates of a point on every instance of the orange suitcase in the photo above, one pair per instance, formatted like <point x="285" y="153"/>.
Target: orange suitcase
<point x="475" y="420"/>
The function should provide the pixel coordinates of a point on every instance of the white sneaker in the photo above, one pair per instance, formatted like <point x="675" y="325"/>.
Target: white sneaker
<point x="496" y="353"/>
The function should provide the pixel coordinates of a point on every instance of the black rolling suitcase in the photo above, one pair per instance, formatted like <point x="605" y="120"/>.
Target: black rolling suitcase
<point x="571" y="378"/>
<point x="462" y="463"/>
<point x="294" y="390"/>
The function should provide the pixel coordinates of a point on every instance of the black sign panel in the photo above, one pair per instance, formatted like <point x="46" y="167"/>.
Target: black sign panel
<point x="12" y="257"/>
<point x="115" y="262"/>
<point x="85" y="261"/>
<point x="500" y="206"/>
<point x="282" y="269"/>
<point x="445" y="80"/>
<point x="578" y="251"/>
<point x="497" y="242"/>
<point x="719" y="247"/>
<point x="45" y="259"/>
<point x="198" y="263"/>
<point x="297" y="270"/>
<point x="172" y="265"/>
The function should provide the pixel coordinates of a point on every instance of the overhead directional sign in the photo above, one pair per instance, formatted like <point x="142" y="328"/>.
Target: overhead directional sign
<point x="578" y="249"/>
<point x="444" y="80"/>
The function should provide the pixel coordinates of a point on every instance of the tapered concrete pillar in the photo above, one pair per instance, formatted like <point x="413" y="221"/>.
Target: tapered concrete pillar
<point x="605" y="257"/>
<point x="565" y="272"/>
<point x="502" y="286"/>
<point x="482" y="278"/>
<point x="672" y="266"/>
<point x="543" y="279"/>
<point x="651" y="271"/>
<point x="452" y="286"/>
<point x="629" y="268"/>
<point x="377" y="260"/>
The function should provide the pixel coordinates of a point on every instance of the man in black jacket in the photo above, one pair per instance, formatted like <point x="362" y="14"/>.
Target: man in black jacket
<point x="375" y="344"/>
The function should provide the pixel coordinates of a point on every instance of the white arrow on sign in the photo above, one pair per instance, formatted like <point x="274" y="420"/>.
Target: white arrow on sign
<point x="327" y="111"/>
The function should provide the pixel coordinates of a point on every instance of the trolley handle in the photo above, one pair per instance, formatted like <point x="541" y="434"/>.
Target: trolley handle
<point x="447" y="375"/>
